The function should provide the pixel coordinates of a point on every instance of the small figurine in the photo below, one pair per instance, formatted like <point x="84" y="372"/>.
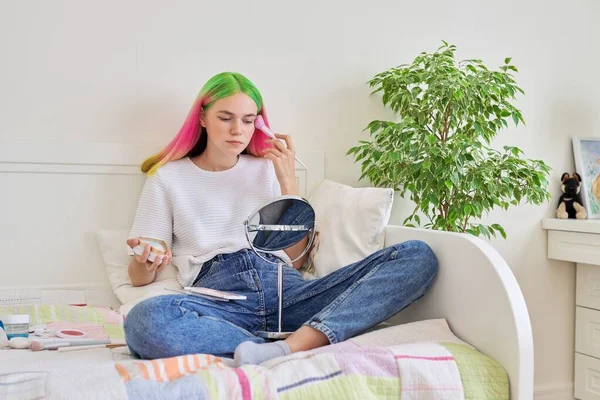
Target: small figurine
<point x="569" y="205"/>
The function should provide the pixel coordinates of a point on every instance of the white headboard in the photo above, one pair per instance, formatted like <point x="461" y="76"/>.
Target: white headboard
<point x="54" y="196"/>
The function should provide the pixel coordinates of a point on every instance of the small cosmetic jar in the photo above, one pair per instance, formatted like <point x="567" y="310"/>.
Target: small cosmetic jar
<point x="15" y="325"/>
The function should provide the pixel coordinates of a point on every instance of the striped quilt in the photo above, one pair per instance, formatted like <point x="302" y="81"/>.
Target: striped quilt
<point x="420" y="360"/>
<point x="422" y="370"/>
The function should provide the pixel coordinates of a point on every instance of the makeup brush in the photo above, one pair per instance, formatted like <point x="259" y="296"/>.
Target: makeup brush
<point x="259" y="123"/>
<point x="38" y="346"/>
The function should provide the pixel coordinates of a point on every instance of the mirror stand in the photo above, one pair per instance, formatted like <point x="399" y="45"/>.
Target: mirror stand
<point x="279" y="334"/>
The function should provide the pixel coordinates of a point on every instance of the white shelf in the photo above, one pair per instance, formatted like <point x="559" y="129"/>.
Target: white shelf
<point x="572" y="225"/>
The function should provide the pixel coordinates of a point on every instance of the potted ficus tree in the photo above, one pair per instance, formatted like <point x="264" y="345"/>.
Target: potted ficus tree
<point x="439" y="148"/>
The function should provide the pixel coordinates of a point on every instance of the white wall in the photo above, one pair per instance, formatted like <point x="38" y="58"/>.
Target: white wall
<point x="127" y="71"/>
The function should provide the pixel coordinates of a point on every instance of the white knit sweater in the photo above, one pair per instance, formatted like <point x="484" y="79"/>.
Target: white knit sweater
<point x="200" y="213"/>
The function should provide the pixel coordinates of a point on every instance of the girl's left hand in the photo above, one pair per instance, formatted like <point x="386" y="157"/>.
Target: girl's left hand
<point x="283" y="158"/>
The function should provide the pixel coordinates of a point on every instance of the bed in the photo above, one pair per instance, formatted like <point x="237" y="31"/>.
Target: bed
<point x="57" y="195"/>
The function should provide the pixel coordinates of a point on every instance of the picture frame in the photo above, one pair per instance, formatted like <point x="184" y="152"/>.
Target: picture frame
<point x="586" y="152"/>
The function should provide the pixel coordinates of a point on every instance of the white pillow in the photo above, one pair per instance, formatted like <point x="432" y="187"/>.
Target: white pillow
<point x="351" y="222"/>
<point x="116" y="260"/>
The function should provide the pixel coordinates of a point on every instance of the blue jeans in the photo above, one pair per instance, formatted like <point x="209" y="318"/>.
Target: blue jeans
<point x="341" y="305"/>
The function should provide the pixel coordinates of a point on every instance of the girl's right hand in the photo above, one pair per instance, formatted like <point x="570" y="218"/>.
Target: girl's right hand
<point x="160" y="261"/>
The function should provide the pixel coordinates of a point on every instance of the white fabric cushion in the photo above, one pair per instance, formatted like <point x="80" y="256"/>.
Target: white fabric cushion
<point x="351" y="222"/>
<point x="116" y="260"/>
<point x="430" y="330"/>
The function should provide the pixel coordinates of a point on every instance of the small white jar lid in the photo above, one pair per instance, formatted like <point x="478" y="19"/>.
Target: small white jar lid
<point x="14" y="319"/>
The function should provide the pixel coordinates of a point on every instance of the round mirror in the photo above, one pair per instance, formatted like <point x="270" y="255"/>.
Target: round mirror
<point x="282" y="223"/>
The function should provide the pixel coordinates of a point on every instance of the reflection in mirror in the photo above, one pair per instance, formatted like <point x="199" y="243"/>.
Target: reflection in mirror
<point x="280" y="224"/>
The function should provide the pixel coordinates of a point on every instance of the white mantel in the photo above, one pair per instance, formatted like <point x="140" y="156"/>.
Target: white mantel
<point x="572" y="225"/>
<point x="573" y="240"/>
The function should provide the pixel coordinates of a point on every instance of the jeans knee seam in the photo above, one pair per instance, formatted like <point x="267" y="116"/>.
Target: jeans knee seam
<point x="328" y="310"/>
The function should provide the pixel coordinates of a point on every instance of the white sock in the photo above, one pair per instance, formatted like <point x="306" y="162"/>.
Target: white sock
<point x="256" y="353"/>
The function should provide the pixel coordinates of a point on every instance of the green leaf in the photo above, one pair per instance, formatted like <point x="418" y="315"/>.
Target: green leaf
<point x="484" y="229"/>
<point x="507" y="60"/>
<point x="468" y="209"/>
<point x="433" y="200"/>
<point x="499" y="229"/>
<point x="454" y="178"/>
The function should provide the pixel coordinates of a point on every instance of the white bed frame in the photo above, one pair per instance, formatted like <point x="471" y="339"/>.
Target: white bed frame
<point x="54" y="196"/>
